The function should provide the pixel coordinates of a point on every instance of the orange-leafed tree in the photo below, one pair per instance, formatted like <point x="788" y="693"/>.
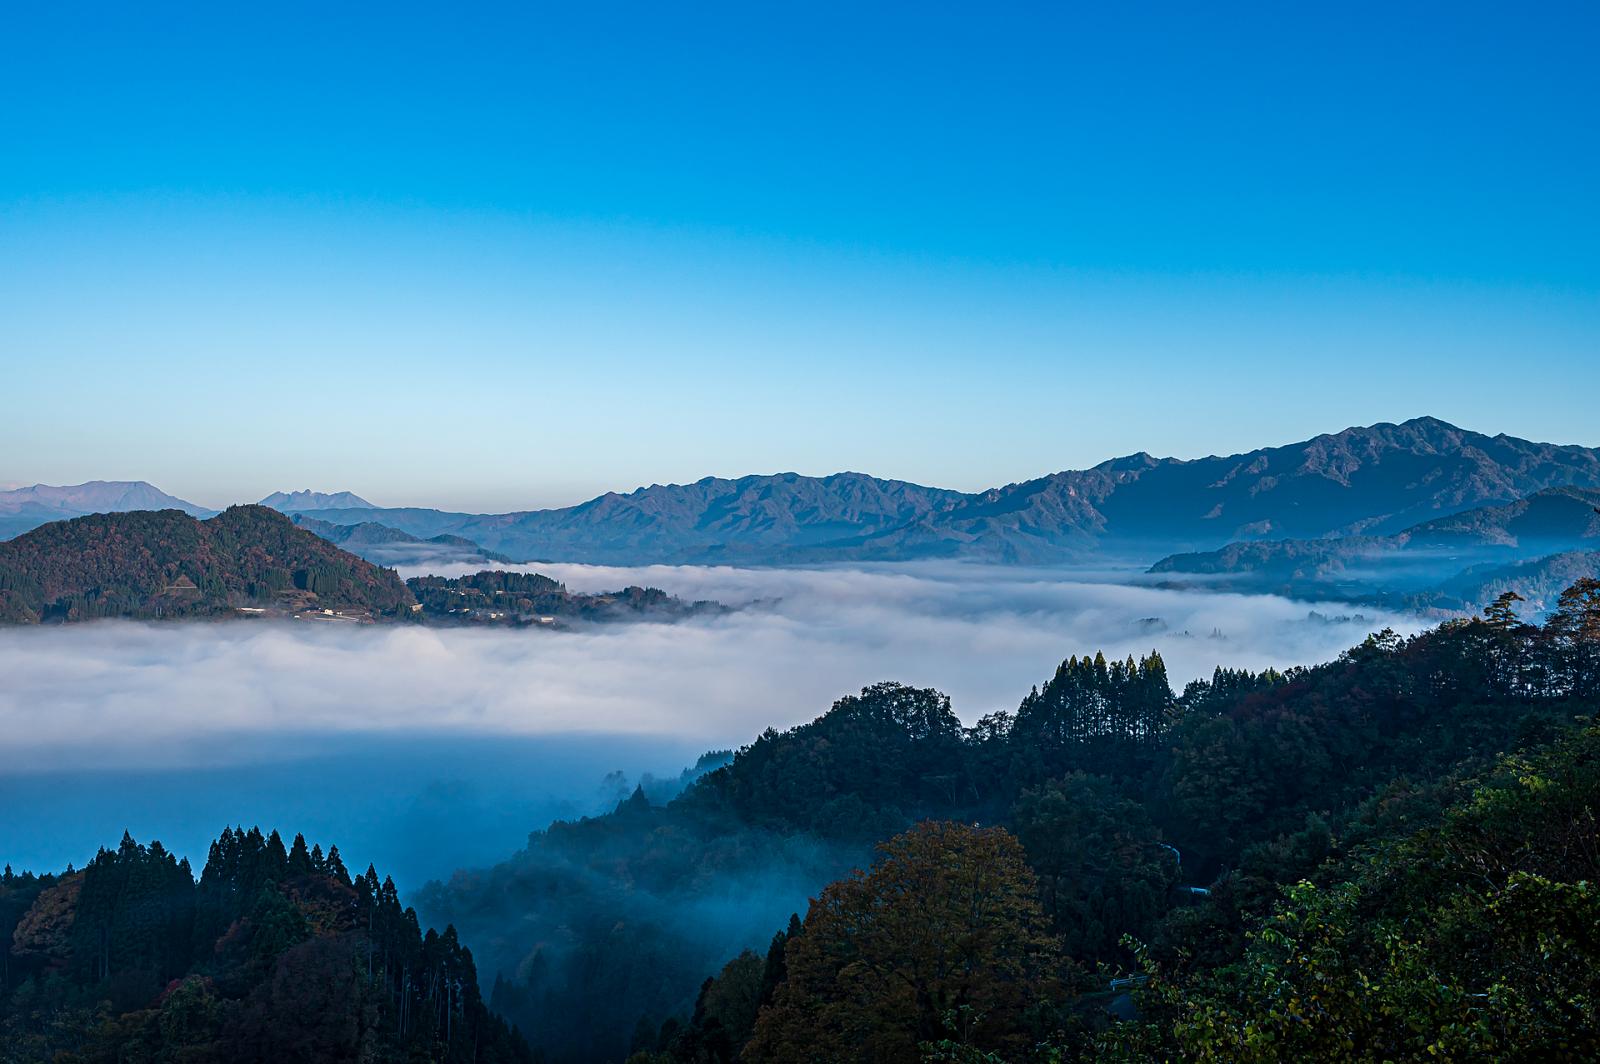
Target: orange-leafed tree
<point x="944" y="940"/>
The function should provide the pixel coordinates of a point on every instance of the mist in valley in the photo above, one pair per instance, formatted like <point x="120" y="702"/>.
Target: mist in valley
<point x="463" y="760"/>
<point x="443" y="755"/>
<point x="431" y="749"/>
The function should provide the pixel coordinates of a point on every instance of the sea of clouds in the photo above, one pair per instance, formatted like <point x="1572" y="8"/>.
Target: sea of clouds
<point x="114" y="694"/>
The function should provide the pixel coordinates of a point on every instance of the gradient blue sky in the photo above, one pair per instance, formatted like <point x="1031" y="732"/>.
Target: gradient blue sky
<point x="515" y="257"/>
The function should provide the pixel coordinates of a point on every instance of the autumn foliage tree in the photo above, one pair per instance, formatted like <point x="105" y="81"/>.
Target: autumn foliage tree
<point x="943" y="940"/>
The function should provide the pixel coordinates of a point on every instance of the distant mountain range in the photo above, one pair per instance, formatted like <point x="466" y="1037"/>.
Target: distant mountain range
<point x="1374" y="481"/>
<point x="24" y="508"/>
<point x="1382" y="483"/>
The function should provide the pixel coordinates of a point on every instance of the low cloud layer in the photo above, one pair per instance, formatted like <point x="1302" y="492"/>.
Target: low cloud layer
<point x="118" y="694"/>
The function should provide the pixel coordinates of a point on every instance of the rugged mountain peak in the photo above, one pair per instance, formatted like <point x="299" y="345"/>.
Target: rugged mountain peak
<point x="307" y="499"/>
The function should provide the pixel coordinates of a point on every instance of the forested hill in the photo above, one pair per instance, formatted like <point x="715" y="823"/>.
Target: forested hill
<point x="164" y="563"/>
<point x="276" y="954"/>
<point x="1374" y="480"/>
<point x="255" y="561"/>
<point x="513" y="599"/>
<point x="1454" y="884"/>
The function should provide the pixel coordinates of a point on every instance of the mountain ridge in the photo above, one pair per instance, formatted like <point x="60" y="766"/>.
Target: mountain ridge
<point x="1371" y="480"/>
<point x="1374" y="481"/>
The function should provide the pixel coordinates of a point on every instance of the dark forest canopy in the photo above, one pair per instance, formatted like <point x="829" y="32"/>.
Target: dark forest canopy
<point x="275" y="954"/>
<point x="1175" y="820"/>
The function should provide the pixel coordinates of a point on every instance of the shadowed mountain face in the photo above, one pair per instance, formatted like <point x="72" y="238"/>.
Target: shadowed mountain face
<point x="1374" y="481"/>
<point x="22" y="509"/>
<point x="1547" y="521"/>
<point x="1530" y="546"/>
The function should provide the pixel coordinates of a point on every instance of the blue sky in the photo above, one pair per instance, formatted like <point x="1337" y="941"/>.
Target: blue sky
<point x="515" y="257"/>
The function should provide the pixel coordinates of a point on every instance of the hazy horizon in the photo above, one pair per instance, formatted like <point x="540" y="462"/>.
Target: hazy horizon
<point x="219" y="503"/>
<point x="593" y="250"/>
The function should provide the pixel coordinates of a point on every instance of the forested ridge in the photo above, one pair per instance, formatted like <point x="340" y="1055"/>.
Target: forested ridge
<point x="1125" y="833"/>
<point x="164" y="563"/>
<point x="255" y="561"/>
<point x="275" y="954"/>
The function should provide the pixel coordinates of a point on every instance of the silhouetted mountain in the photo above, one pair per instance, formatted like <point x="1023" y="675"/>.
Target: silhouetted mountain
<point x="314" y="500"/>
<point x="164" y="563"/>
<point x="1374" y="481"/>
<point x="22" y="509"/>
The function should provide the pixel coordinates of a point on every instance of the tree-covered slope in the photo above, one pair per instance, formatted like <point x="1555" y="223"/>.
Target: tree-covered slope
<point x="1129" y="802"/>
<point x="164" y="563"/>
<point x="1473" y="936"/>
<point x="276" y="954"/>
<point x="1383" y="883"/>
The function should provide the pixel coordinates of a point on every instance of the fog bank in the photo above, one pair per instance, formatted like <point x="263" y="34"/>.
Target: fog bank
<point x="168" y="695"/>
